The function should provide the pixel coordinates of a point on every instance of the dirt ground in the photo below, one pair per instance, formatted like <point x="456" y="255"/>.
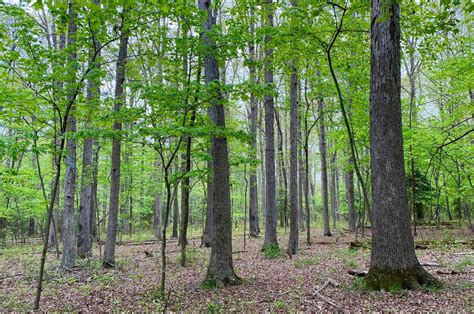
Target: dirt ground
<point x="316" y="279"/>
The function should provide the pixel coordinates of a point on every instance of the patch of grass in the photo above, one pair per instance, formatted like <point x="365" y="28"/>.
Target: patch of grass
<point x="308" y="261"/>
<point x="156" y="295"/>
<point x="430" y="288"/>
<point x="209" y="284"/>
<point x="214" y="307"/>
<point x="279" y="304"/>
<point x="272" y="251"/>
<point x="466" y="285"/>
<point x="464" y="263"/>
<point x="358" y="285"/>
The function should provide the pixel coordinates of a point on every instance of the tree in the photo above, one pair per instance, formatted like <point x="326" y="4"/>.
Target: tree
<point x="109" y="250"/>
<point x="393" y="259"/>
<point x="270" y="181"/>
<point x="324" y="167"/>
<point x="68" y="259"/>
<point x="220" y="270"/>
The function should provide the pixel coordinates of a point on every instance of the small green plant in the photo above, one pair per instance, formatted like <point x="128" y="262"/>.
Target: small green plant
<point x="209" y="284"/>
<point x="308" y="261"/>
<point x="279" y="304"/>
<point x="430" y="287"/>
<point x="214" y="307"/>
<point x="272" y="251"/>
<point x="358" y="285"/>
<point x="156" y="295"/>
<point x="463" y="264"/>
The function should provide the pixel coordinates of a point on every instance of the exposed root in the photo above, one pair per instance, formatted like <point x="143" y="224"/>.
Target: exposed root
<point x="390" y="280"/>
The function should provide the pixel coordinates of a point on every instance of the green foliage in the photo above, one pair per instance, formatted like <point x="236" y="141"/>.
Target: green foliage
<point x="308" y="261"/>
<point x="272" y="251"/>
<point x="209" y="283"/>
<point x="465" y="263"/>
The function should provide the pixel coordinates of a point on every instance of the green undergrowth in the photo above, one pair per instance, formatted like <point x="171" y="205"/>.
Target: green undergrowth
<point x="272" y="251"/>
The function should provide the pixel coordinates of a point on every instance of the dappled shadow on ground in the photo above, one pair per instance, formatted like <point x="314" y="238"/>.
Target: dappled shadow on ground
<point x="315" y="279"/>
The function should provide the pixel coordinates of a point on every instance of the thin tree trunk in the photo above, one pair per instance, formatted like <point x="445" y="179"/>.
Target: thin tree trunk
<point x="332" y="189"/>
<point x="109" y="250"/>
<point x="294" y="221"/>
<point x="349" y="183"/>
<point x="324" y="167"/>
<point x="68" y="259"/>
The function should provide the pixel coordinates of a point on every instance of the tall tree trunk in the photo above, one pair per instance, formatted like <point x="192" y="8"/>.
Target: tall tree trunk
<point x="68" y="259"/>
<point x="270" y="189"/>
<point x="208" y="234"/>
<point x="283" y="186"/>
<point x="221" y="269"/>
<point x="332" y="189"/>
<point x="94" y="201"/>
<point x="254" y="229"/>
<point x="294" y="221"/>
<point x="393" y="260"/>
<point x="109" y="250"/>
<point x="324" y="167"/>
<point x="185" y="191"/>
<point x="349" y="183"/>
<point x="158" y="203"/>
<point x="84" y="240"/>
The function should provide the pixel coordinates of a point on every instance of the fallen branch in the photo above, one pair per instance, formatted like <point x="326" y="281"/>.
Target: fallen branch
<point x="329" y="301"/>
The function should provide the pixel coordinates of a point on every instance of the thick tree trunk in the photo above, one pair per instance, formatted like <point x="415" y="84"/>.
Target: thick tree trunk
<point x="282" y="178"/>
<point x="94" y="202"/>
<point x="109" y="250"/>
<point x="294" y="220"/>
<point x="254" y="229"/>
<point x="68" y="259"/>
<point x="270" y="189"/>
<point x="324" y="167"/>
<point x="393" y="260"/>
<point x="221" y="269"/>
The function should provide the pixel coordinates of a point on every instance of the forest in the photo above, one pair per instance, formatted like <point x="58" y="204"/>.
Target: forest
<point x="236" y="155"/>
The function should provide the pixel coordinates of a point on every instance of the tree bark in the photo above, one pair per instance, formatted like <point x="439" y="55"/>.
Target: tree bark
<point x="109" y="250"/>
<point x="349" y="183"/>
<point x="393" y="260"/>
<point x="332" y="189"/>
<point x="254" y="229"/>
<point x="221" y="269"/>
<point x="270" y="189"/>
<point x="68" y="259"/>
<point x="294" y="220"/>
<point x="324" y="167"/>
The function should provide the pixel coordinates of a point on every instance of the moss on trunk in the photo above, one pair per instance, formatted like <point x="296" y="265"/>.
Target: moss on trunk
<point x="393" y="280"/>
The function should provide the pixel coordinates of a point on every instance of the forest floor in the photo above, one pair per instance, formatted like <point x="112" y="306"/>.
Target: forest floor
<point x="316" y="279"/>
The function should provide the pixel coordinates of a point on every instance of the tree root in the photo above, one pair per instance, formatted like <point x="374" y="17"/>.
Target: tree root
<point x="390" y="280"/>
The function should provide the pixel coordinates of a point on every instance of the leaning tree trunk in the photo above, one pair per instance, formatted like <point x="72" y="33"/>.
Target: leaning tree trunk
<point x="294" y="221"/>
<point x="324" y="167"/>
<point x="109" y="250"/>
<point x="393" y="260"/>
<point x="221" y="269"/>
<point x="270" y="189"/>
<point x="68" y="259"/>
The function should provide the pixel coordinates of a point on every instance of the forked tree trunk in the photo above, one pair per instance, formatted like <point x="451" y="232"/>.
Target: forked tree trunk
<point x="393" y="260"/>
<point x="109" y="250"/>
<point x="221" y="270"/>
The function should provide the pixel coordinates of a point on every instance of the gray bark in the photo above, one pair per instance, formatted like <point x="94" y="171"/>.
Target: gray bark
<point x="294" y="221"/>
<point x="109" y="250"/>
<point x="254" y="229"/>
<point x="270" y="189"/>
<point x="221" y="269"/>
<point x="349" y="182"/>
<point x="393" y="259"/>
<point x="332" y="189"/>
<point x="324" y="167"/>
<point x="68" y="259"/>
